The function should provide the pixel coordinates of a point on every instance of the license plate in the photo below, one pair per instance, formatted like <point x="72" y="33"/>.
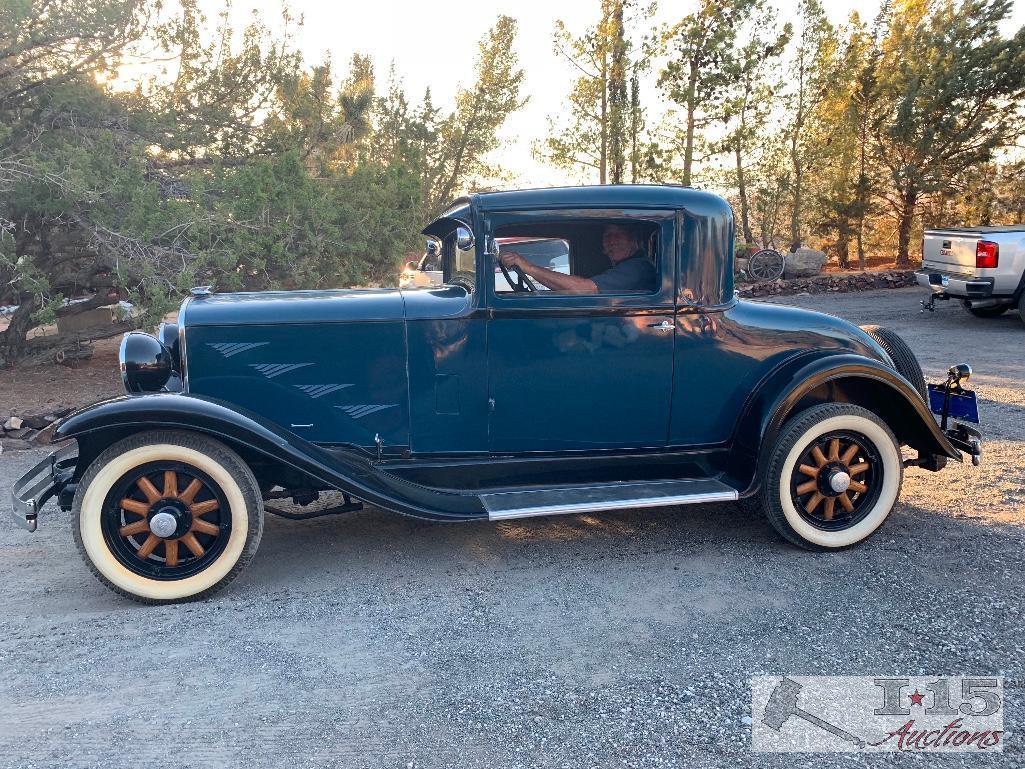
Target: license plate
<point x="944" y="280"/>
<point x="963" y="405"/>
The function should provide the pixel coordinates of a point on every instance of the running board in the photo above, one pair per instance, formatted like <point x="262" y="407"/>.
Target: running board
<point x="611" y="496"/>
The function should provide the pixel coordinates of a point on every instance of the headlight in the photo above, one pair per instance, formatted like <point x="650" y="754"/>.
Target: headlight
<point x="167" y="335"/>
<point x="145" y="363"/>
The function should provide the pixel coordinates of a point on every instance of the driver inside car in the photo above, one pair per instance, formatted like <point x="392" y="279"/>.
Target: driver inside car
<point x="631" y="269"/>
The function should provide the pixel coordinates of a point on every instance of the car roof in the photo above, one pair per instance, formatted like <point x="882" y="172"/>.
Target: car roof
<point x="613" y="197"/>
<point x="598" y="196"/>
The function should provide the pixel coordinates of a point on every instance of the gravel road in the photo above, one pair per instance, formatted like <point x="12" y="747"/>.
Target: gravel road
<point x="591" y="641"/>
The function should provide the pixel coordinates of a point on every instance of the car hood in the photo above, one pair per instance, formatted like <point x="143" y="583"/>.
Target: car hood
<point x="334" y="306"/>
<point x="277" y="307"/>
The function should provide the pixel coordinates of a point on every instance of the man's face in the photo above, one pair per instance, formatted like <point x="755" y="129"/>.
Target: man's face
<point x="617" y="243"/>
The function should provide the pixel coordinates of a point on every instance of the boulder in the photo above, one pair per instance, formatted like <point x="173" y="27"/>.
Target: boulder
<point x="803" y="263"/>
<point x="37" y="422"/>
<point x="13" y="423"/>
<point x="16" y="444"/>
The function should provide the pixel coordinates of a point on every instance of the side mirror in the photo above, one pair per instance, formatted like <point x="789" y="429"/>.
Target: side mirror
<point x="464" y="239"/>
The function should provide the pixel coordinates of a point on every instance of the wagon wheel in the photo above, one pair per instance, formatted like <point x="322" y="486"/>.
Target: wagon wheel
<point x="766" y="264"/>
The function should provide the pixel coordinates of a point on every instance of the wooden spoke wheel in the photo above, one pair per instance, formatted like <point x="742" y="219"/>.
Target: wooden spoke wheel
<point x="766" y="264"/>
<point x="164" y="520"/>
<point x="835" y="481"/>
<point x="832" y="476"/>
<point x="168" y="516"/>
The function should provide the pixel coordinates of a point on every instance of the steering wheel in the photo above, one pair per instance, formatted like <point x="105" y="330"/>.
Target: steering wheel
<point x="523" y="282"/>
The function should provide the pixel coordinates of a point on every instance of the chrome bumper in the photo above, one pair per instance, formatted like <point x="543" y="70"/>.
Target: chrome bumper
<point x="959" y="286"/>
<point x="42" y="482"/>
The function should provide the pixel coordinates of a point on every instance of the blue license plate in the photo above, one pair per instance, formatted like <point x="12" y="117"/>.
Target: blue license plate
<point x="963" y="405"/>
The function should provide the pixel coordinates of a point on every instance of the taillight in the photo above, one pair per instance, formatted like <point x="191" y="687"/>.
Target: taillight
<point x="987" y="254"/>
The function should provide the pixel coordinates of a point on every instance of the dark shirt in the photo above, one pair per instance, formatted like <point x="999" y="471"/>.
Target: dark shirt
<point x="635" y="273"/>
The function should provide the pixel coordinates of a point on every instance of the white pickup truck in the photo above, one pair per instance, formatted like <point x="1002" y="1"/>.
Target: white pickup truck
<point x="984" y="267"/>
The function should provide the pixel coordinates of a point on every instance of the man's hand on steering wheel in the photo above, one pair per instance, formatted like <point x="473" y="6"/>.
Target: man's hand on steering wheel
<point x="510" y="260"/>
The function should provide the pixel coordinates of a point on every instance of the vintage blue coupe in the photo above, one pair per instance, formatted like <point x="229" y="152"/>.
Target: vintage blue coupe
<point x="462" y="402"/>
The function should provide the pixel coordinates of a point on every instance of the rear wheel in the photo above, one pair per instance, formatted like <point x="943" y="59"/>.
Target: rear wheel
<point x="985" y="312"/>
<point x="904" y="360"/>
<point x="167" y="516"/>
<point x="834" y="475"/>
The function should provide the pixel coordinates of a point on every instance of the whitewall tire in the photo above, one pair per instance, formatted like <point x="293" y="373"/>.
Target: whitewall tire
<point x="833" y="476"/>
<point x="167" y="516"/>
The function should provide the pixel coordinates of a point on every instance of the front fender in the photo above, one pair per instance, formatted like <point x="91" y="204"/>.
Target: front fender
<point x="810" y="379"/>
<point x="97" y="427"/>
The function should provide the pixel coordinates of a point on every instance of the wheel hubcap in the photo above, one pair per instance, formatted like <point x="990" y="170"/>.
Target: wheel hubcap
<point x="839" y="482"/>
<point x="164" y="523"/>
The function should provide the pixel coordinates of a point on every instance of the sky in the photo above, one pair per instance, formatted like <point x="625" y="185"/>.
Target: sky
<point x="435" y="43"/>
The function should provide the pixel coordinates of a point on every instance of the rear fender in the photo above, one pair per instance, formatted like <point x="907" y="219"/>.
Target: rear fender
<point x="256" y="439"/>
<point x="838" y="378"/>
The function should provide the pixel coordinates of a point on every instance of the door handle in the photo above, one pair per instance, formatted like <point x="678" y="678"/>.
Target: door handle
<point x="663" y="326"/>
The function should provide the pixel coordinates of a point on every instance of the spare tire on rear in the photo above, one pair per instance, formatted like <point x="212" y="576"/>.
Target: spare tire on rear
<point x="904" y="361"/>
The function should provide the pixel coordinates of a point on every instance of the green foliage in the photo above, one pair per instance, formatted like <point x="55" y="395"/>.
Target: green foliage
<point x="601" y="137"/>
<point x="702" y="65"/>
<point x="951" y="88"/>
<point x="229" y="164"/>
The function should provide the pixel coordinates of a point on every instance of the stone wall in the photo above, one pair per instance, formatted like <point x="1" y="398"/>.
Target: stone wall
<point x="842" y="282"/>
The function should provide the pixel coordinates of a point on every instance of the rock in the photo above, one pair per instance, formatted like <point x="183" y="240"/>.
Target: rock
<point x="36" y="422"/>
<point x="45" y="436"/>
<point x="15" y="444"/>
<point x="804" y="262"/>
<point x="13" y="423"/>
<point x="20" y="433"/>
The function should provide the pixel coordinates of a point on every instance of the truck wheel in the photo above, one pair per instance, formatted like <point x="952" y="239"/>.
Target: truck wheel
<point x="167" y="516"/>
<point x="904" y="360"/>
<point x="986" y="312"/>
<point x="834" y="474"/>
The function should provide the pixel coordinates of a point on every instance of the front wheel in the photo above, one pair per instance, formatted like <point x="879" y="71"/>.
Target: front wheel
<point x="834" y="475"/>
<point x="167" y="516"/>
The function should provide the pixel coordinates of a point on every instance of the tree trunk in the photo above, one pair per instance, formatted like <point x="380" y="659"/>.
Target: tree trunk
<point x="604" y="161"/>
<point x="692" y="108"/>
<point x="13" y="338"/>
<point x="617" y="95"/>
<point x="795" y="214"/>
<point x="843" y="245"/>
<point x="635" y="126"/>
<point x="909" y="200"/>
<point x="862" y="188"/>
<point x="745" y="215"/>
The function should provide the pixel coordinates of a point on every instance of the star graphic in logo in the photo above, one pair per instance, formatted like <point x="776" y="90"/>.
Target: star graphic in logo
<point x="916" y="698"/>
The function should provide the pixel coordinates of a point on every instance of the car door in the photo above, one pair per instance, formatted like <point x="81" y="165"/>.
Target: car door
<point x="582" y="371"/>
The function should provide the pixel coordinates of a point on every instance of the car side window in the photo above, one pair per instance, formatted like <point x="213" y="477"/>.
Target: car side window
<point x="574" y="257"/>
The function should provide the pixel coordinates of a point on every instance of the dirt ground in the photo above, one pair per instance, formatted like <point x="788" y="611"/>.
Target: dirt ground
<point x="625" y="639"/>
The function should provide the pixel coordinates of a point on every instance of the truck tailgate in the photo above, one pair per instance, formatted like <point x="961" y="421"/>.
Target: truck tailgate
<point x="950" y="251"/>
